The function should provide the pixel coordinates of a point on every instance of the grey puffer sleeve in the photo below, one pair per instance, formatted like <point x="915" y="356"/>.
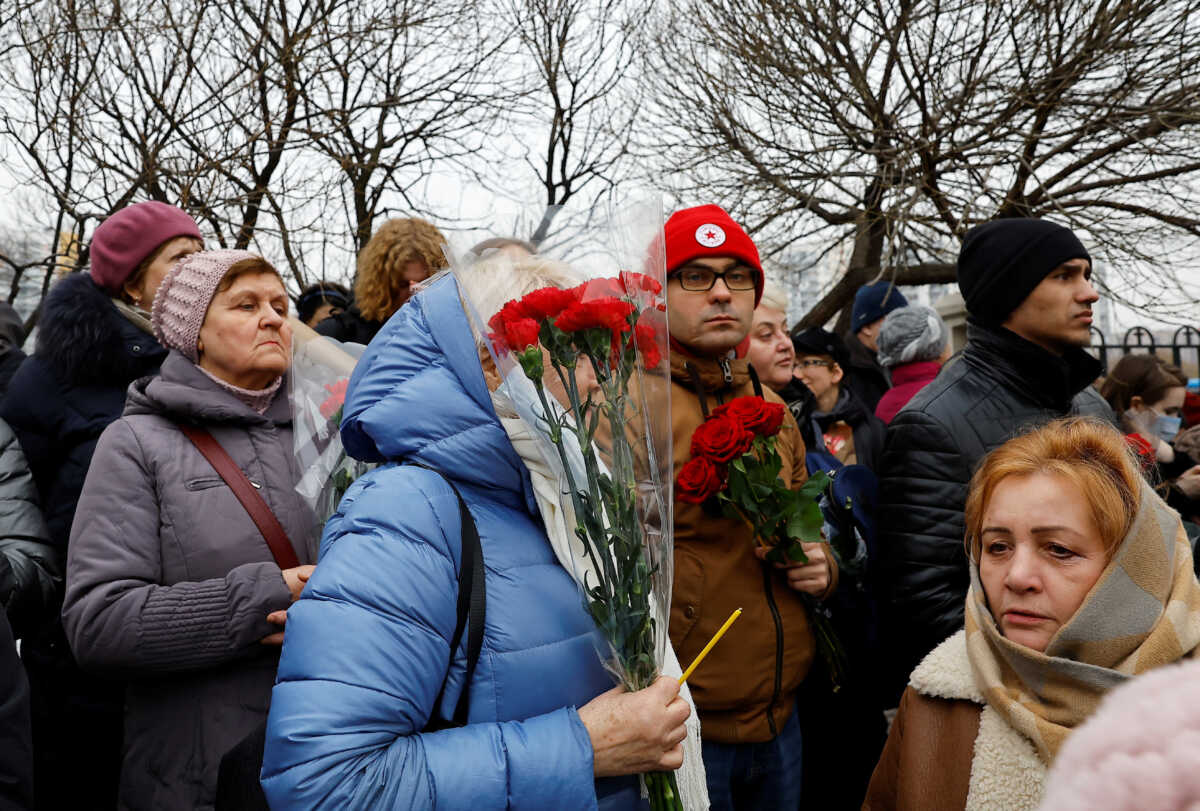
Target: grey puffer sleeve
<point x="30" y="567"/>
<point x="118" y="615"/>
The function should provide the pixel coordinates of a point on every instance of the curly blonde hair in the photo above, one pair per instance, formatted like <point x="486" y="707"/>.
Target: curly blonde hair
<point x="380" y="287"/>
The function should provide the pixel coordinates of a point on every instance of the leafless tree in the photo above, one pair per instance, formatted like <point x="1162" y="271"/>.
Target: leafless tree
<point x="883" y="129"/>
<point x="402" y="88"/>
<point x="257" y="116"/>
<point x="580" y="99"/>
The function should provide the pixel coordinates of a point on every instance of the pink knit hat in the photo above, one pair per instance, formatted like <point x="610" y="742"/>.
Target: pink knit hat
<point x="183" y="297"/>
<point x="124" y="240"/>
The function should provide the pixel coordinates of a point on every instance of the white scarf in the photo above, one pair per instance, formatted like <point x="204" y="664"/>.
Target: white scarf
<point x="559" y="518"/>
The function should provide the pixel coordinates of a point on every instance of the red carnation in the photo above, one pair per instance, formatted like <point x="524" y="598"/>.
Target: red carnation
<point x="608" y="287"/>
<point x="511" y="311"/>
<point x="521" y="333"/>
<point x="602" y="313"/>
<point x="754" y="413"/>
<point x="721" y="438"/>
<point x="336" y="398"/>
<point x="647" y="345"/>
<point x="699" y="479"/>
<point x="547" y="302"/>
<point x="640" y="283"/>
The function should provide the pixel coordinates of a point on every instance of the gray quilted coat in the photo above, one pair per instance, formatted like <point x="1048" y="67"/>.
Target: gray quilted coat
<point x="169" y="583"/>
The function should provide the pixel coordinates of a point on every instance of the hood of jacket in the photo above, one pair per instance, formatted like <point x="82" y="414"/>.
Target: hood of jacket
<point x="848" y="409"/>
<point x="1049" y="380"/>
<point x="180" y="391"/>
<point x="85" y="340"/>
<point x="418" y="393"/>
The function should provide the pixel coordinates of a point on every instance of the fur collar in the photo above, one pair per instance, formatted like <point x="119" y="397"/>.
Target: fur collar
<point x="1006" y="772"/>
<point x="83" y="338"/>
<point x="946" y="672"/>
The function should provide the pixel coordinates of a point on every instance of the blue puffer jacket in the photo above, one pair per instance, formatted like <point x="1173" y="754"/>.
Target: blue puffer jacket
<point x="368" y="643"/>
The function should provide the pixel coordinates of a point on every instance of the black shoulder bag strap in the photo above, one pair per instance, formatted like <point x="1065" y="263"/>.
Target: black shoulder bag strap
<point x="472" y="609"/>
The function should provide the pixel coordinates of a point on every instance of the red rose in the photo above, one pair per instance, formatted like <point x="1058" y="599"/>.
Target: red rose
<point x="699" y="479"/>
<point x="547" y="302"/>
<point x="647" y="345"/>
<point x="721" y="438"/>
<point x="602" y="313"/>
<point x="755" y="413"/>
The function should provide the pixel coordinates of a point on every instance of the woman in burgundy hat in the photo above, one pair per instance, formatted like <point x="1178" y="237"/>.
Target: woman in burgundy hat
<point x="94" y="339"/>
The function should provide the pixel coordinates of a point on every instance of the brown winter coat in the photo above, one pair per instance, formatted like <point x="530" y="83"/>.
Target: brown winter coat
<point x="926" y="763"/>
<point x="949" y="751"/>
<point x="716" y="571"/>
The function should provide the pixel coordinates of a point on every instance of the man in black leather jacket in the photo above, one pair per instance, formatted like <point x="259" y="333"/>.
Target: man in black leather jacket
<point x="1028" y="294"/>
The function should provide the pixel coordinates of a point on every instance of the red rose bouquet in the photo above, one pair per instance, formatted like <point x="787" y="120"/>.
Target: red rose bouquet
<point x="735" y="461"/>
<point x="581" y="368"/>
<point x="735" y="468"/>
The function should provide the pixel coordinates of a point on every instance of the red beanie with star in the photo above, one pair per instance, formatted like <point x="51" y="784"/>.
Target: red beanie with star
<point x="704" y="231"/>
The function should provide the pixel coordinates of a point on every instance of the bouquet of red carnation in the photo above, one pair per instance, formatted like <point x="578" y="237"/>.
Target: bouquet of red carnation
<point x="581" y="368"/>
<point x="317" y="382"/>
<point x="735" y="466"/>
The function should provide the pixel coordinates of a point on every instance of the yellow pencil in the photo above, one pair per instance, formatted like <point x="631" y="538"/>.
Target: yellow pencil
<point x="716" y="638"/>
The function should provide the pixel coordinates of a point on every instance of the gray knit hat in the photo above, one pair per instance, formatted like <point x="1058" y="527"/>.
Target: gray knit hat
<point x="911" y="334"/>
<point x="183" y="297"/>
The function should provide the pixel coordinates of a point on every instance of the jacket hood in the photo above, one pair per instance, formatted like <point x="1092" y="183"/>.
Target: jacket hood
<point x="180" y="391"/>
<point x="85" y="340"/>
<point x="848" y="409"/>
<point x="1044" y="378"/>
<point x="418" y="394"/>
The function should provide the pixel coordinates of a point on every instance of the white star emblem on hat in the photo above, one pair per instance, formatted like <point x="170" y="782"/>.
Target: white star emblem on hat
<point x="710" y="236"/>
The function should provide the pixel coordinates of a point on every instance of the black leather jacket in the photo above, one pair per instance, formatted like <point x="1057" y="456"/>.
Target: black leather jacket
<point x="998" y="387"/>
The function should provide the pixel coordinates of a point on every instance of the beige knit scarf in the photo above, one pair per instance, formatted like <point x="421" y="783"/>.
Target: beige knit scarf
<point x="1143" y="612"/>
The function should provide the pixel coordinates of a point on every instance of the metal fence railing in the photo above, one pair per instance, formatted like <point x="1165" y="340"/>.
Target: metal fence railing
<point x="1183" y="350"/>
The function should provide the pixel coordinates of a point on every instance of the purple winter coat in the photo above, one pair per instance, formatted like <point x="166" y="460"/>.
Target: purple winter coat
<point x="169" y="583"/>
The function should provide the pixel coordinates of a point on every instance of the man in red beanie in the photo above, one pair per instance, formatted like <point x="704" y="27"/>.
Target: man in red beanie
<point x="744" y="691"/>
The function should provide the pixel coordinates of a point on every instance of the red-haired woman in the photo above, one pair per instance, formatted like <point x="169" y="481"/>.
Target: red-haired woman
<point x="1081" y="578"/>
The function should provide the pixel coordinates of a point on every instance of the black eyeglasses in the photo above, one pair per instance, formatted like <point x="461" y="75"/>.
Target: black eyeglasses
<point x="812" y="363"/>
<point x="700" y="279"/>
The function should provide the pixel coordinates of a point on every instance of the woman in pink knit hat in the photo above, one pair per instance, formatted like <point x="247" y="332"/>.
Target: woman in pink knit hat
<point x="183" y="589"/>
<point x="94" y="338"/>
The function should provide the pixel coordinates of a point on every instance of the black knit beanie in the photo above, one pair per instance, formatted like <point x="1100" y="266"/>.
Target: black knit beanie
<point x="1003" y="260"/>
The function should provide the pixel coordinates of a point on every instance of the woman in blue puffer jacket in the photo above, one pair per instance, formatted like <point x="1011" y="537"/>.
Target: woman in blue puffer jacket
<point x="368" y="645"/>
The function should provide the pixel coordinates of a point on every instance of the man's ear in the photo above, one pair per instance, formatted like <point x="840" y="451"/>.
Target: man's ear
<point x="835" y="373"/>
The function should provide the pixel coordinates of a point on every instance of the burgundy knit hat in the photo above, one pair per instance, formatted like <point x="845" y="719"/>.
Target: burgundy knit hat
<point x="703" y="231"/>
<point x="124" y="240"/>
<point x="183" y="297"/>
